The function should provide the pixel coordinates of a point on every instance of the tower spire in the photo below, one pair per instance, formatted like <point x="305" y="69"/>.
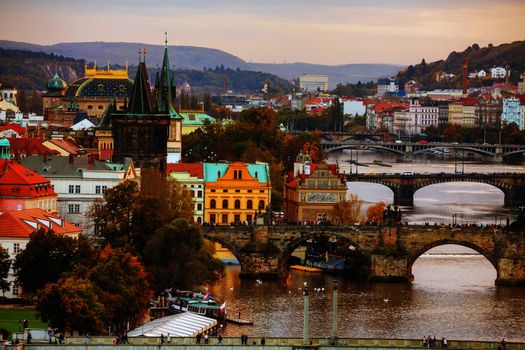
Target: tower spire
<point x="165" y="39"/>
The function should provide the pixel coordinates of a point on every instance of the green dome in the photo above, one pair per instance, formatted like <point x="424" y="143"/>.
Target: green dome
<point x="4" y="142"/>
<point x="56" y="84"/>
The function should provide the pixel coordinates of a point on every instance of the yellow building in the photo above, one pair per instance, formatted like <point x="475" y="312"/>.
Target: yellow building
<point x="311" y="193"/>
<point x="235" y="191"/>
<point x="455" y="113"/>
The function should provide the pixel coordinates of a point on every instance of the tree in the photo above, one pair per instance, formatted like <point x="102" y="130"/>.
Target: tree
<point x="348" y="211"/>
<point x="374" y="213"/>
<point x="453" y="133"/>
<point x="46" y="257"/>
<point x="123" y="288"/>
<point x="5" y="265"/>
<point x="178" y="258"/>
<point x="71" y="304"/>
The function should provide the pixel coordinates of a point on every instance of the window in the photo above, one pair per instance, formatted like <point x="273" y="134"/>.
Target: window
<point x="71" y="189"/>
<point x="240" y="174"/>
<point x="249" y="205"/>
<point x="237" y="204"/>
<point x="225" y="191"/>
<point x="261" y="204"/>
<point x="261" y="191"/>
<point x="224" y="219"/>
<point x="225" y="204"/>
<point x="77" y="188"/>
<point x="213" y="204"/>
<point x="237" y="218"/>
<point x="16" y="248"/>
<point x="15" y="290"/>
<point x="191" y="116"/>
<point x="73" y="208"/>
<point x="249" y="218"/>
<point x="199" y="206"/>
<point x="199" y="220"/>
<point x="90" y="107"/>
<point x="249" y="191"/>
<point x="237" y="191"/>
<point x="199" y="194"/>
<point x="98" y="190"/>
<point x="212" y="218"/>
<point x="212" y="191"/>
<point x="104" y="188"/>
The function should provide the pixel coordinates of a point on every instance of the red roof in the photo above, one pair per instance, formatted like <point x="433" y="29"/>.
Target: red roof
<point x="521" y="97"/>
<point x="293" y="179"/>
<point x="468" y="101"/>
<point x="30" y="146"/>
<point x="195" y="169"/>
<point x="21" y="223"/>
<point x="18" y="181"/>
<point x="20" y="130"/>
<point x="67" y="145"/>
<point x="387" y="105"/>
<point x="317" y="100"/>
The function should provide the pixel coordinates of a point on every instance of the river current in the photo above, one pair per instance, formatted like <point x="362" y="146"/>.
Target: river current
<point x="453" y="294"/>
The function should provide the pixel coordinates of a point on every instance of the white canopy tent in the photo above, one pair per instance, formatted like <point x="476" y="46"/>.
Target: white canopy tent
<point x="186" y="324"/>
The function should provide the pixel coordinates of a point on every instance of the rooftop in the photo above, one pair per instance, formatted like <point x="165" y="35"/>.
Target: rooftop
<point x="21" y="223"/>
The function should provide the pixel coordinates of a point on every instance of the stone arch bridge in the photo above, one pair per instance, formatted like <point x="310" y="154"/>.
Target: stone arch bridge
<point x="405" y="186"/>
<point x="263" y="251"/>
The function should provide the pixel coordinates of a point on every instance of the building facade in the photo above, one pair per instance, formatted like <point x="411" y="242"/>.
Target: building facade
<point x="313" y="83"/>
<point x="511" y="111"/>
<point x="311" y="193"/>
<point x="235" y="192"/>
<point x="420" y="117"/>
<point x="191" y="177"/>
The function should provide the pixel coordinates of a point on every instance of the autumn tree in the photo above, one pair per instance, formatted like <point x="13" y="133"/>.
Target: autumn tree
<point x="71" y="304"/>
<point x="5" y="265"/>
<point x="348" y="211"/>
<point x="122" y="285"/>
<point x="179" y="259"/>
<point x="54" y="254"/>
<point x="375" y="213"/>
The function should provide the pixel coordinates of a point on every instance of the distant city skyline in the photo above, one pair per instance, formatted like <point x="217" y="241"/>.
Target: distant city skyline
<point x="323" y="32"/>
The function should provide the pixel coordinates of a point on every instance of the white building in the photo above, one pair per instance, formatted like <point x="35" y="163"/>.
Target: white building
<point x="15" y="228"/>
<point x="498" y="72"/>
<point x="386" y="86"/>
<point x="9" y="95"/>
<point x="511" y="112"/>
<point x="24" y="119"/>
<point x="79" y="182"/>
<point x="354" y="108"/>
<point x="421" y="117"/>
<point x="313" y="82"/>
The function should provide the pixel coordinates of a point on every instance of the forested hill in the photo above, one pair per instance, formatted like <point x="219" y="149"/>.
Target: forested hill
<point x="478" y="58"/>
<point x="28" y="70"/>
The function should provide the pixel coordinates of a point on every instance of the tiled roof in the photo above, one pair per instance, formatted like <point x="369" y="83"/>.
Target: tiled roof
<point x="18" y="181"/>
<point x="195" y="118"/>
<point x="29" y="146"/>
<point x="293" y="179"/>
<point x="67" y="145"/>
<point x="194" y="169"/>
<point x="21" y="223"/>
<point x="387" y="105"/>
<point x="58" y="166"/>
<point x="20" y="130"/>
<point x="211" y="171"/>
<point x="468" y="101"/>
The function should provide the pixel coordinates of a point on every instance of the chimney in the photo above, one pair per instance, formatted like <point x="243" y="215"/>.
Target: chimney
<point x="465" y="81"/>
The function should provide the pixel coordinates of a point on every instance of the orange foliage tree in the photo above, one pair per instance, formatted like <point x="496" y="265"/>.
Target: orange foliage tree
<point x="375" y="213"/>
<point x="349" y="211"/>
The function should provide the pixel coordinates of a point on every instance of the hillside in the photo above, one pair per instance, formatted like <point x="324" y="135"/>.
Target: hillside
<point x="512" y="54"/>
<point x="31" y="70"/>
<point x="191" y="57"/>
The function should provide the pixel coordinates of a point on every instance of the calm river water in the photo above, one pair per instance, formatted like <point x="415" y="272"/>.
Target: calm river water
<point x="452" y="295"/>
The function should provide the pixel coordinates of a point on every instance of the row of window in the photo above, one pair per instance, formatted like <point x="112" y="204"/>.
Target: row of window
<point x="91" y="107"/>
<point x="73" y="208"/>
<point x="99" y="189"/>
<point x="224" y="218"/>
<point x="236" y="204"/>
<point x="16" y="248"/>
<point x="236" y="191"/>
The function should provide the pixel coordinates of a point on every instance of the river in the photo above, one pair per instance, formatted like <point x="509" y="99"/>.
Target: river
<point x="453" y="293"/>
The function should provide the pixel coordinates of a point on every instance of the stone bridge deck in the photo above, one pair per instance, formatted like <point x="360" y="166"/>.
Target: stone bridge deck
<point x="389" y="252"/>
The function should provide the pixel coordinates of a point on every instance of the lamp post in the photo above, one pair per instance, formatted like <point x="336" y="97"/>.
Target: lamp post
<point x="334" y="313"/>
<point x="305" y="315"/>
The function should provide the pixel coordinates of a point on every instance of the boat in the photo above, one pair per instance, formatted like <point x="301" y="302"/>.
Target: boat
<point x="198" y="303"/>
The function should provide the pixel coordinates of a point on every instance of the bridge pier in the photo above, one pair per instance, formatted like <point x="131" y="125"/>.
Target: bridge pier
<point x="261" y="258"/>
<point x="404" y="194"/>
<point x="510" y="264"/>
<point x="389" y="268"/>
<point x="498" y="156"/>
<point x="409" y="154"/>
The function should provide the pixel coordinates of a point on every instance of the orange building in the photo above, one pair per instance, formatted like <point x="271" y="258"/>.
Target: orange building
<point x="234" y="192"/>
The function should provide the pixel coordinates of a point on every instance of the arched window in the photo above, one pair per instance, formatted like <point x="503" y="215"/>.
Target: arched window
<point x="235" y="174"/>
<point x="261" y="204"/>
<point x="240" y="174"/>
<point x="249" y="204"/>
<point x="199" y="220"/>
<point x="225" y="204"/>
<point x="237" y="204"/>
<point x="213" y="204"/>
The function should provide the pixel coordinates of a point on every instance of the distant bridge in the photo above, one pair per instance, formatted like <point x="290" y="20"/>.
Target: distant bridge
<point x="404" y="186"/>
<point x="408" y="150"/>
<point x="388" y="252"/>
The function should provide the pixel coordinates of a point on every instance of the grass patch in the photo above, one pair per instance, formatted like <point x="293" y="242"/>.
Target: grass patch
<point x="10" y="319"/>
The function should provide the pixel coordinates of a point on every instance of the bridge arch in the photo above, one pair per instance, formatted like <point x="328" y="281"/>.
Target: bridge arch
<point x="228" y="245"/>
<point x="389" y="188"/>
<point x="303" y="239"/>
<point x="359" y="147"/>
<point x="424" y="183"/>
<point x="466" y="148"/>
<point x="489" y="255"/>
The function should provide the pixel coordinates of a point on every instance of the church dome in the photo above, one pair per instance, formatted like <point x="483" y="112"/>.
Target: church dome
<point x="56" y="84"/>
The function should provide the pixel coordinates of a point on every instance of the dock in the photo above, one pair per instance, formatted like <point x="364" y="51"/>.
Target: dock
<point x="238" y="321"/>
<point x="305" y="268"/>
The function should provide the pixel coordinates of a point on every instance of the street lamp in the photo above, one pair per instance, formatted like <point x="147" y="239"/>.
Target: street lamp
<point x="305" y="315"/>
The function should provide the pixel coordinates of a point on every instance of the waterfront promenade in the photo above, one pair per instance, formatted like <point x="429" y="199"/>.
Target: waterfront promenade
<point x="143" y="343"/>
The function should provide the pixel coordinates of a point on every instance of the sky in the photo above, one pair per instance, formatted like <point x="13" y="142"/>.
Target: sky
<point x="276" y="31"/>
